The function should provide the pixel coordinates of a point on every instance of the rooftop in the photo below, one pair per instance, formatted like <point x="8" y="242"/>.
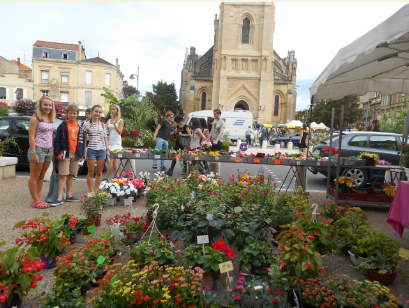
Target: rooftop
<point x="56" y="45"/>
<point x="97" y="60"/>
<point x="22" y="66"/>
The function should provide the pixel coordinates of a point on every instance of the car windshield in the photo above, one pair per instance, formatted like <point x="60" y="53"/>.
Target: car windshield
<point x="327" y="138"/>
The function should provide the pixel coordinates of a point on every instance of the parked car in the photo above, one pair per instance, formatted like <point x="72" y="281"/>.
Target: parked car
<point x="294" y="138"/>
<point x="387" y="145"/>
<point x="18" y="126"/>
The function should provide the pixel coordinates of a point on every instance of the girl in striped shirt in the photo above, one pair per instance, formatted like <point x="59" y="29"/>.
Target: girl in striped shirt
<point x="97" y="147"/>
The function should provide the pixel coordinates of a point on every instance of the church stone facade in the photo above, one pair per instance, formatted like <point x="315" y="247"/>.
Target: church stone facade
<point x="241" y="70"/>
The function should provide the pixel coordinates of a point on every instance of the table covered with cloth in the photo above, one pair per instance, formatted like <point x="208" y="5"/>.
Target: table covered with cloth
<point x="398" y="216"/>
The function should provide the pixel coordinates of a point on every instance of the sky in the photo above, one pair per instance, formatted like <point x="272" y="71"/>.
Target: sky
<point x="154" y="36"/>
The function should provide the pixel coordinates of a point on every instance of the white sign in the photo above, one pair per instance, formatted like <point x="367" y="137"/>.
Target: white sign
<point x="119" y="155"/>
<point x="216" y="158"/>
<point x="318" y="163"/>
<point x="193" y="196"/>
<point x="157" y="156"/>
<point x="209" y="216"/>
<point x="203" y="239"/>
<point x="298" y="163"/>
<point x="138" y="155"/>
<point x="196" y="158"/>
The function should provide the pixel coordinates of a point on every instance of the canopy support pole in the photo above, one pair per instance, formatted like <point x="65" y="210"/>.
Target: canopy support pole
<point x="330" y="151"/>
<point x="341" y="128"/>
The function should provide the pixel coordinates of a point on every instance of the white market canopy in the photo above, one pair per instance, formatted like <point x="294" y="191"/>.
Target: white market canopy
<point x="322" y="126"/>
<point x="294" y="123"/>
<point x="314" y="125"/>
<point x="378" y="61"/>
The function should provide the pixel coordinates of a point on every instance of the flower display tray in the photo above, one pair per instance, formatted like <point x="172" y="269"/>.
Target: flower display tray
<point x="345" y="161"/>
<point x="141" y="155"/>
<point x="346" y="196"/>
<point x="370" y="194"/>
<point x="217" y="158"/>
<point x="159" y="156"/>
<point x="384" y="279"/>
<point x="257" y="160"/>
<point x="197" y="157"/>
<point x="297" y="162"/>
<point x="232" y="159"/>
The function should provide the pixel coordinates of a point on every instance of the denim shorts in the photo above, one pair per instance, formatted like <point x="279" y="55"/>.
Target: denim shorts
<point x="96" y="154"/>
<point x="44" y="154"/>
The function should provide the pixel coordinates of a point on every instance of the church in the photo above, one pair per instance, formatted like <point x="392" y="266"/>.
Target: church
<point x="241" y="70"/>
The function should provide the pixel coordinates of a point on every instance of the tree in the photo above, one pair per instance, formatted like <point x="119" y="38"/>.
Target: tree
<point x="302" y="115"/>
<point x="129" y="90"/>
<point x="24" y="107"/>
<point x="352" y="113"/>
<point x="164" y="97"/>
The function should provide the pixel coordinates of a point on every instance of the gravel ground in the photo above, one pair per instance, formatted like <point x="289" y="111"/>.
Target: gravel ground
<point x="15" y="206"/>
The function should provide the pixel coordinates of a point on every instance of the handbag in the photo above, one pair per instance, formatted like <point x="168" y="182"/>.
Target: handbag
<point x="183" y="141"/>
<point x="53" y="191"/>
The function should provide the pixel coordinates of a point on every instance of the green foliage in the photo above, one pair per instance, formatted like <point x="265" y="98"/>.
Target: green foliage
<point x="4" y="111"/>
<point x="6" y="143"/>
<point x="395" y="123"/>
<point x="61" y="298"/>
<point x="24" y="107"/>
<point x="164" y="97"/>
<point x="194" y="255"/>
<point x="256" y="257"/>
<point x="352" y="113"/>
<point x="129" y="90"/>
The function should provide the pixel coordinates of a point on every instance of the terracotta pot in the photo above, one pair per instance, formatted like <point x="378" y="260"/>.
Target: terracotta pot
<point x="98" y="221"/>
<point x="384" y="279"/>
<point x="73" y="240"/>
<point x="208" y="280"/>
<point x="14" y="302"/>
<point x="87" y="224"/>
<point x="113" y="257"/>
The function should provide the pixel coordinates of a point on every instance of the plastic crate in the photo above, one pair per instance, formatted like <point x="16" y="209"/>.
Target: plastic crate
<point x="257" y="160"/>
<point x="347" y="196"/>
<point x="128" y="155"/>
<point x="116" y="155"/>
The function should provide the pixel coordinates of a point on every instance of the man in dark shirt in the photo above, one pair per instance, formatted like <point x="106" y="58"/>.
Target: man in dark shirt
<point x="162" y="133"/>
<point x="210" y="125"/>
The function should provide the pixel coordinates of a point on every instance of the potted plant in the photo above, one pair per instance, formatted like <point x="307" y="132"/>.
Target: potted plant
<point x="74" y="271"/>
<point x="160" y="249"/>
<point x="256" y="257"/>
<point x="93" y="250"/>
<point x="132" y="228"/>
<point x="383" y="261"/>
<point x="18" y="275"/>
<point x="370" y="159"/>
<point x="194" y="255"/>
<point x="92" y="207"/>
<point x="315" y="293"/>
<point x="61" y="298"/>
<point x="43" y="235"/>
<point x="69" y="225"/>
<point x="345" y="183"/>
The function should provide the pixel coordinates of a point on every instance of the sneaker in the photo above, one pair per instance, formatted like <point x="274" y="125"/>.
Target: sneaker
<point x="169" y="172"/>
<point x="56" y="202"/>
<point x="163" y="169"/>
<point x="104" y="180"/>
<point x="72" y="199"/>
<point x="154" y="167"/>
<point x="74" y="177"/>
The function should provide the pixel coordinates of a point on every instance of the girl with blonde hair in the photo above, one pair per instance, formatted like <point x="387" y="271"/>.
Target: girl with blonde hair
<point x="115" y="126"/>
<point x="98" y="148"/>
<point x="40" y="153"/>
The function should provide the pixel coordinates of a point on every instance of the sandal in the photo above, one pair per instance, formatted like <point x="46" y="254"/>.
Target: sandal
<point x="40" y="205"/>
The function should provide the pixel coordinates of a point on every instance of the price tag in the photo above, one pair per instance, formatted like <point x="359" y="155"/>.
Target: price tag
<point x="216" y="158"/>
<point x="115" y="278"/>
<point x="157" y="156"/>
<point x="238" y="209"/>
<point x="200" y="203"/>
<point x="119" y="155"/>
<point x="100" y="260"/>
<point x="226" y="267"/>
<point x="196" y="158"/>
<point x="318" y="163"/>
<point x="91" y="229"/>
<point x="209" y="216"/>
<point x="403" y="253"/>
<point x="138" y="155"/>
<point x="298" y="163"/>
<point x="91" y="195"/>
<point x="203" y="239"/>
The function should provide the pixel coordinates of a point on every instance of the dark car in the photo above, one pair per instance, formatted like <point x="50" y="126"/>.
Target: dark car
<point x="18" y="127"/>
<point x="294" y="138"/>
<point x="387" y="145"/>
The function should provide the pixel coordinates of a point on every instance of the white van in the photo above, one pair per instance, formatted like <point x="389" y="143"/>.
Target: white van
<point x="236" y="121"/>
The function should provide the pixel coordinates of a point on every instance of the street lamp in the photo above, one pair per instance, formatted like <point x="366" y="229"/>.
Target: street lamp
<point x="132" y="77"/>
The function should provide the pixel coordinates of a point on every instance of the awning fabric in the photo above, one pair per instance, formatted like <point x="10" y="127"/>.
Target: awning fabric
<point x="378" y="61"/>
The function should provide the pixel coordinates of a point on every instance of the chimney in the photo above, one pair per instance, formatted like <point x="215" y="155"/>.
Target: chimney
<point x="117" y="62"/>
<point x="79" y="50"/>
<point x="18" y="61"/>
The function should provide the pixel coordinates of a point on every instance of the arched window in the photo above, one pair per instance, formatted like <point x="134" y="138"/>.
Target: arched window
<point x="204" y="101"/>
<point x="246" y="31"/>
<point x="276" y="102"/>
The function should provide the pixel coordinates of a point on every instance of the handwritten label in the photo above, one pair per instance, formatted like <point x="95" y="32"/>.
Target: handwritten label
<point x="209" y="216"/>
<point x="91" y="229"/>
<point x="298" y="163"/>
<point x="91" y="195"/>
<point x="119" y="155"/>
<point x="203" y="239"/>
<point x="403" y="253"/>
<point x="137" y="155"/>
<point x="237" y="160"/>
<point x="238" y="209"/>
<point x="196" y="158"/>
<point x="318" y="163"/>
<point x="256" y="160"/>
<point x="226" y="267"/>
<point x="216" y="158"/>
<point x="200" y="203"/>
<point x="277" y="162"/>
<point x="157" y="156"/>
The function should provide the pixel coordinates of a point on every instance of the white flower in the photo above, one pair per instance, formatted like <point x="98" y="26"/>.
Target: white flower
<point x="128" y="191"/>
<point x="258" y="288"/>
<point x="121" y="193"/>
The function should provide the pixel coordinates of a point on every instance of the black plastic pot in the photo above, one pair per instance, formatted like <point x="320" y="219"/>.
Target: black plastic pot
<point x="344" y="250"/>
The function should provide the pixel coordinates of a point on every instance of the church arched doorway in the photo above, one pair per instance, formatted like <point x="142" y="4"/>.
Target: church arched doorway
<point x="241" y="105"/>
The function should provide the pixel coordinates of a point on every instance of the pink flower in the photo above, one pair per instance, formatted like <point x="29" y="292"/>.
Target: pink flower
<point x="275" y="300"/>
<point x="240" y="288"/>
<point x="237" y="297"/>
<point x="265" y="193"/>
<point x="207" y="288"/>
<point x="280" y="293"/>
<point x="257" y="188"/>
<point x="310" y="237"/>
<point x="308" y="265"/>
<point x="241" y="196"/>
<point x="282" y="265"/>
<point x="231" y="291"/>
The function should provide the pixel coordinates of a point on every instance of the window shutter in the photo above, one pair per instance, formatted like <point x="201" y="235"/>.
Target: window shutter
<point x="108" y="80"/>
<point x="64" y="78"/>
<point x="3" y="93"/>
<point x="64" y="97"/>
<point x="44" y="76"/>
<point x="19" y="93"/>
<point x="88" y="78"/>
<point x="88" y="98"/>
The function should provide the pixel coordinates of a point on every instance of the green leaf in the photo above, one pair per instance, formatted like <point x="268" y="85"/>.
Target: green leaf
<point x="298" y="270"/>
<point x="45" y="214"/>
<point x="23" y="280"/>
<point x="33" y="252"/>
<point x="176" y="235"/>
<point x="19" y="224"/>
<point x="2" y="243"/>
<point x="318" y="256"/>
<point x="202" y="223"/>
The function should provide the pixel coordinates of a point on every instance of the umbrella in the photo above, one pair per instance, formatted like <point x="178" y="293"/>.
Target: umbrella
<point x="282" y="125"/>
<point x="275" y="126"/>
<point x="268" y="125"/>
<point x="376" y="61"/>
<point x="261" y="125"/>
<point x="314" y="125"/>
<point x="290" y="126"/>
<point x="298" y="127"/>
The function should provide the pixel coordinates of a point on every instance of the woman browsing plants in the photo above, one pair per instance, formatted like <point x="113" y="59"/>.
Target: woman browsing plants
<point x="115" y="126"/>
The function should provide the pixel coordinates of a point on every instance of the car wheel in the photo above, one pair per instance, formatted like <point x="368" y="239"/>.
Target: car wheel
<point x="282" y="144"/>
<point x="358" y="175"/>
